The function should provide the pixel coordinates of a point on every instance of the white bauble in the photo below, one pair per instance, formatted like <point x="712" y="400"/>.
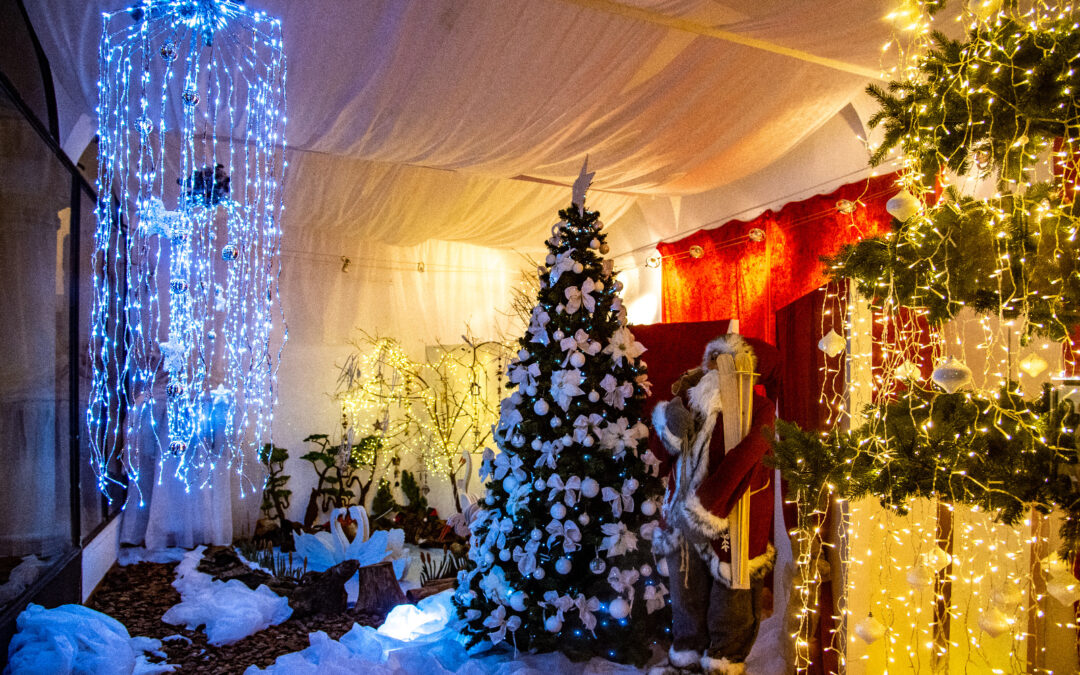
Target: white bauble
<point x="555" y="422"/>
<point x="518" y="600"/>
<point x="584" y="519"/>
<point x="993" y="622"/>
<point x="510" y="483"/>
<point x="599" y="286"/>
<point x="539" y="573"/>
<point x="523" y="355"/>
<point x="587" y="441"/>
<point x="1064" y="589"/>
<point x="489" y="559"/>
<point x="550" y="259"/>
<point x="504" y="555"/>
<point x="590" y="488"/>
<point x="536" y="444"/>
<point x="594" y="243"/>
<point x="870" y="629"/>
<point x="903" y="205"/>
<point x="594" y="396"/>
<point x="577" y="359"/>
<point x="553" y="624"/>
<point x="562" y="566"/>
<point x="558" y="511"/>
<point x="619" y="608"/>
<point x="539" y="484"/>
<point x="921" y="576"/>
<point x="1007" y="598"/>
<point x="578" y="268"/>
<point x="536" y="534"/>
<point x="646" y="570"/>
<point x="559" y="335"/>
<point x="597" y="565"/>
<point x="661" y="567"/>
<point x="518" y="441"/>
<point x="951" y="375"/>
<point x="541" y="407"/>
<point x="648" y="508"/>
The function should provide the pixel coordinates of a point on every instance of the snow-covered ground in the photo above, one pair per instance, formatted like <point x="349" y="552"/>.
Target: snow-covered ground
<point x="229" y="610"/>
<point x="77" y="639"/>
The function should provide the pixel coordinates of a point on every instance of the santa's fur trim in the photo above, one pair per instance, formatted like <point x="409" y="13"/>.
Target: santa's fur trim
<point x="702" y="520"/>
<point x="705" y="395"/>
<point x="732" y="344"/>
<point x="664" y="542"/>
<point x="683" y="658"/>
<point x="722" y="666"/>
<point x="721" y="571"/>
<point x="659" y="419"/>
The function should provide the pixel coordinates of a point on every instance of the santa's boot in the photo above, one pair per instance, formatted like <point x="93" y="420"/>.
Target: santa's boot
<point x="722" y="666"/>
<point x="679" y="662"/>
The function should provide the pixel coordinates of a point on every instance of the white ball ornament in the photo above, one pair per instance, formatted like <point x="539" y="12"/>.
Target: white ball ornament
<point x="646" y="570"/>
<point x="587" y="441"/>
<point x="523" y="354"/>
<point x="869" y="629"/>
<point x="515" y="398"/>
<point x="518" y="600"/>
<point x="578" y="268"/>
<point x="541" y="407"/>
<point x="594" y="396"/>
<point x="599" y="285"/>
<point x="559" y="335"/>
<point x="536" y="534"/>
<point x="518" y="441"/>
<point x="648" y="508"/>
<point x="584" y="519"/>
<point x="510" y="483"/>
<point x="555" y="422"/>
<point x="489" y="559"/>
<point x="550" y="259"/>
<point x="539" y="573"/>
<point x="619" y="608"/>
<point x="539" y="484"/>
<point x="504" y="554"/>
<point x="597" y="566"/>
<point x="536" y="444"/>
<point x="577" y="360"/>
<point x="562" y="566"/>
<point x="558" y="511"/>
<point x="553" y="624"/>
<point x="590" y="488"/>
<point x="595" y="243"/>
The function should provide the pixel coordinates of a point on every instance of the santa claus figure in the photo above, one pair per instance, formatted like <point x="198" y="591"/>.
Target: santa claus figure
<point x="716" y="527"/>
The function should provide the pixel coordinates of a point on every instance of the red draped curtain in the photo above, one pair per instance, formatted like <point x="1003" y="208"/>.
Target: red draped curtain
<point x="741" y="277"/>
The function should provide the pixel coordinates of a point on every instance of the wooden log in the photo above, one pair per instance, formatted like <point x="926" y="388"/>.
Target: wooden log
<point x="379" y="590"/>
<point x="415" y="595"/>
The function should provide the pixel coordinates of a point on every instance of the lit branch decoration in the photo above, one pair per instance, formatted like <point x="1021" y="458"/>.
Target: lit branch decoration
<point x="191" y="122"/>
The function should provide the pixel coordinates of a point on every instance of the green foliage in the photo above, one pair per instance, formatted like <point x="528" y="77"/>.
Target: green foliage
<point x="337" y="481"/>
<point x="275" y="501"/>
<point x="383" y="503"/>
<point x="534" y="422"/>
<point x="415" y="499"/>
<point x="950" y="259"/>
<point x="1002" y="454"/>
<point x="996" y="96"/>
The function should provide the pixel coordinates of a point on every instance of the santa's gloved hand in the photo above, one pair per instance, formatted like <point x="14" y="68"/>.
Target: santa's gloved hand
<point x="677" y="418"/>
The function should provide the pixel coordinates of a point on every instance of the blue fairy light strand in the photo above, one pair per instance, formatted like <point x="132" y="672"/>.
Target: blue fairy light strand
<point x="191" y="118"/>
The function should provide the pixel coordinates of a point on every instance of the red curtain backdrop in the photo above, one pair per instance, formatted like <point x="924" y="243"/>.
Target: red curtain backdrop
<point x="748" y="280"/>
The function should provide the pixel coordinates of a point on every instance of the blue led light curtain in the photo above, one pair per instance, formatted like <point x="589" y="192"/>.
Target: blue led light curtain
<point x="191" y="120"/>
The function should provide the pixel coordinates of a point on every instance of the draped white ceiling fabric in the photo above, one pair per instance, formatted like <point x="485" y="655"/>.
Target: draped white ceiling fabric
<point x="465" y="120"/>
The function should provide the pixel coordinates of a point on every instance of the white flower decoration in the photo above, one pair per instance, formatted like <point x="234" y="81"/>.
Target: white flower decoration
<point x="617" y="539"/>
<point x="498" y="621"/>
<point x="565" y="386"/>
<point x="619" y="435"/>
<point x="623" y="345"/>
<point x="563" y="263"/>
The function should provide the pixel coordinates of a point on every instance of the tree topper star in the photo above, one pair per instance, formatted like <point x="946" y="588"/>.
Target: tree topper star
<point x="581" y="186"/>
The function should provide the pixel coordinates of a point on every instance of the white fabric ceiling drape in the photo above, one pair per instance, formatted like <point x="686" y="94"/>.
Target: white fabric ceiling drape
<point x="459" y="106"/>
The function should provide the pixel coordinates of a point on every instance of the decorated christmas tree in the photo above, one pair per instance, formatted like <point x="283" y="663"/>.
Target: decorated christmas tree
<point x="560" y="554"/>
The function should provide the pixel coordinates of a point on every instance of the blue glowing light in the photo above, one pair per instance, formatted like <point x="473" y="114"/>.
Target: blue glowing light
<point x="191" y="121"/>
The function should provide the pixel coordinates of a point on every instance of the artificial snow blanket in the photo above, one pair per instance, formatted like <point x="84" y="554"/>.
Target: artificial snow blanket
<point x="80" y="641"/>
<point x="419" y="639"/>
<point x="230" y="610"/>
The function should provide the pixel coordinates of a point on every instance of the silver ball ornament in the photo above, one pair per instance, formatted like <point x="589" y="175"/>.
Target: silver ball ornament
<point x="597" y="566"/>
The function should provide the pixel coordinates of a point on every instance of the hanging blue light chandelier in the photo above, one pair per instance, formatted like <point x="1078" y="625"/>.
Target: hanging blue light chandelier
<point x="186" y="324"/>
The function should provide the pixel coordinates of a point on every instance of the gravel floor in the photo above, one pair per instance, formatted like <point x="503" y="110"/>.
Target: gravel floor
<point x="138" y="595"/>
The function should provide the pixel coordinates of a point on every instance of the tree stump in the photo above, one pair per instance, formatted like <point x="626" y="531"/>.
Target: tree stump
<point x="379" y="590"/>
